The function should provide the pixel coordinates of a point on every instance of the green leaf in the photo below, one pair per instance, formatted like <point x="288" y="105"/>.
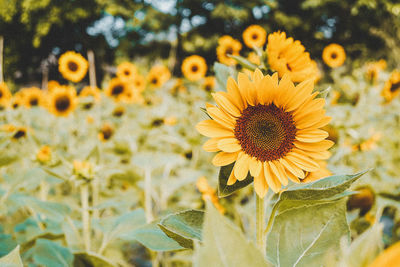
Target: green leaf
<point x="152" y="237"/>
<point x="225" y="245"/>
<point x="7" y="159"/>
<point x="183" y="227"/>
<point x="53" y="210"/>
<point x="90" y="259"/>
<point x="245" y="63"/>
<point x="222" y="73"/>
<point x="48" y="253"/>
<point x="324" y="93"/>
<point x="226" y="190"/>
<point x="7" y="243"/>
<point x="12" y="259"/>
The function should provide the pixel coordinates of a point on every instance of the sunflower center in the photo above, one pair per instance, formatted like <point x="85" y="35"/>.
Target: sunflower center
<point x="288" y="67"/>
<point x="1" y="94"/>
<point x="334" y="55"/>
<point x="117" y="90"/>
<point x="33" y="101"/>
<point x="395" y="87"/>
<point x="254" y="36"/>
<point x="229" y="50"/>
<point x="154" y="81"/>
<point x="72" y="66"/>
<point x="19" y="134"/>
<point x="265" y="132"/>
<point x="63" y="103"/>
<point x="127" y="73"/>
<point x="195" y="68"/>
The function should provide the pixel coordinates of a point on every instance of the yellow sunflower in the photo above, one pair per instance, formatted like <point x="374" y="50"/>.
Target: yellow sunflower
<point x="390" y="257"/>
<point x="44" y="154"/>
<point x="33" y="97"/>
<point x="18" y="99"/>
<point x="158" y="75"/>
<point x="5" y="95"/>
<point x="194" y="67"/>
<point x="19" y="132"/>
<point x="116" y="89"/>
<point x="254" y="36"/>
<point x="334" y="55"/>
<point x="62" y="101"/>
<point x="131" y="96"/>
<point x="126" y="71"/>
<point x="139" y="83"/>
<point x="209" y="83"/>
<point x="254" y="58"/>
<point x="373" y="69"/>
<point x="92" y="92"/>
<point x="179" y="87"/>
<point x="322" y="172"/>
<point x="73" y="66"/>
<point x="106" y="132"/>
<point x="228" y="46"/>
<point x="287" y="56"/>
<point x="52" y="84"/>
<point x="118" y="111"/>
<point x="392" y="86"/>
<point x="269" y="129"/>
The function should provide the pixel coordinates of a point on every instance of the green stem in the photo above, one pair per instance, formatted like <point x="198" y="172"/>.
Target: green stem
<point x="85" y="215"/>
<point x="260" y="214"/>
<point x="147" y="195"/>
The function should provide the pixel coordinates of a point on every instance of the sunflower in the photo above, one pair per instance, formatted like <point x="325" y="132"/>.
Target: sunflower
<point x="62" y="101"/>
<point x="91" y="91"/>
<point x="334" y="55"/>
<point x="106" y="132"/>
<point x="131" y="96"/>
<point x="5" y="95"/>
<point x="118" y="111"/>
<point x="18" y="99"/>
<point x="179" y="87"/>
<point x="373" y="69"/>
<point x="116" y="88"/>
<point x="44" y="154"/>
<point x="194" y="67"/>
<point x="138" y="83"/>
<point x="126" y="71"/>
<point x="269" y="129"/>
<point x="322" y="172"/>
<point x="158" y="75"/>
<point x="73" y="66"/>
<point x="254" y="36"/>
<point x="33" y="97"/>
<point x="228" y="46"/>
<point x="19" y="132"/>
<point x="209" y="83"/>
<point x="392" y="86"/>
<point x="287" y="56"/>
<point x="254" y="58"/>
<point x="52" y="84"/>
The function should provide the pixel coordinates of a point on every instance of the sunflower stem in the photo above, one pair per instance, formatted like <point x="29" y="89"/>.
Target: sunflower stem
<point x="85" y="215"/>
<point x="260" y="214"/>
<point x="92" y="69"/>
<point x="147" y="195"/>
<point x="1" y="58"/>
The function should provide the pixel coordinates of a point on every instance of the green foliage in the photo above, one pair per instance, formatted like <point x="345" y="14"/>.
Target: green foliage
<point x="226" y="190"/>
<point x="222" y="73"/>
<point x="12" y="259"/>
<point x="49" y="253"/>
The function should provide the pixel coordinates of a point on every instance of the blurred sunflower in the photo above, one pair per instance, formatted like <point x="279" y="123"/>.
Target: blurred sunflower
<point x="269" y="129"/>
<point x="139" y="83"/>
<point x="254" y="58"/>
<point x="334" y="55"/>
<point x="44" y="154"/>
<point x="179" y="87"/>
<point x="287" y="56"/>
<point x="118" y="111"/>
<point x="209" y="83"/>
<point x="106" y="132"/>
<point x="194" y="67"/>
<point x="52" y="84"/>
<point x="132" y="96"/>
<point x="91" y="91"/>
<point x="72" y="66"/>
<point x="373" y="69"/>
<point x="116" y="88"/>
<point x="392" y="86"/>
<point x="5" y="95"/>
<point x="18" y="99"/>
<point x="33" y="97"/>
<point x="19" y="132"/>
<point x="62" y="101"/>
<point x="158" y="75"/>
<point x="228" y="46"/>
<point x="390" y="257"/>
<point x="254" y="36"/>
<point x="322" y="172"/>
<point x="126" y="71"/>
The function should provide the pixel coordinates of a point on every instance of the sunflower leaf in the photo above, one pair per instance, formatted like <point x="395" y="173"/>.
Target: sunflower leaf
<point x="90" y="259"/>
<point x="222" y="73"/>
<point x="245" y="63"/>
<point x="183" y="227"/>
<point x="226" y="190"/>
<point x="12" y="259"/>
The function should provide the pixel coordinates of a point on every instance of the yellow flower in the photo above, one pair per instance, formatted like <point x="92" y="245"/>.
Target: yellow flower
<point x="392" y="86"/>
<point x="254" y="58"/>
<point x="92" y="92"/>
<point x="138" y="83"/>
<point x="158" y="75"/>
<point x="334" y="55"/>
<point x="72" y="66"/>
<point x="228" y="46"/>
<point x="209" y="193"/>
<point x="364" y="199"/>
<point x="132" y="96"/>
<point x="269" y="129"/>
<point x="89" y="119"/>
<point x="322" y="172"/>
<point x="194" y="67"/>
<point x="178" y="87"/>
<point x="171" y="120"/>
<point x="19" y="132"/>
<point x="254" y="36"/>
<point x="126" y="71"/>
<point x="52" y="84"/>
<point x="5" y="95"/>
<point x="33" y="97"/>
<point x="83" y="169"/>
<point x="118" y="111"/>
<point x="209" y="83"/>
<point x="106" y="132"/>
<point x="287" y="56"/>
<point x="62" y="101"/>
<point x="335" y="97"/>
<point x="8" y="128"/>
<point x="116" y="89"/>
<point x="373" y="69"/>
<point x="390" y="257"/>
<point x="371" y="143"/>
<point x="18" y="99"/>
<point x="44" y="154"/>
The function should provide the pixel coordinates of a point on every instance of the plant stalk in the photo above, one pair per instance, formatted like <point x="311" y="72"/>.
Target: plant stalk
<point x="1" y="58"/>
<point x="147" y="195"/>
<point x="85" y="215"/>
<point x="260" y="214"/>
<point x="92" y="69"/>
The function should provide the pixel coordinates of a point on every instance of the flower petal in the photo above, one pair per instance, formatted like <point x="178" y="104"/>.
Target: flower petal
<point x="255" y="167"/>
<point x="260" y="185"/>
<point x="234" y="94"/>
<point x="271" y="179"/>
<point x="224" y="103"/>
<point x="247" y="88"/>
<point x="229" y="145"/>
<point x="290" y="167"/>
<point x="311" y="135"/>
<point x="211" y="128"/>
<point x="279" y="172"/>
<point x="232" y="179"/>
<point x="221" y="117"/>
<point x="316" y="147"/>
<point x="211" y="145"/>
<point x="223" y="159"/>
<point x="241" y="167"/>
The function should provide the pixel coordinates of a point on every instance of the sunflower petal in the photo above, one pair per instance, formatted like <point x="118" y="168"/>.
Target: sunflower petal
<point x="311" y="135"/>
<point x="291" y="168"/>
<point x="271" y="179"/>
<point x="247" y="88"/>
<point x="234" y="93"/>
<point x="232" y="179"/>
<point x="229" y="145"/>
<point x="223" y="159"/>
<point x="319" y="155"/>
<point x="211" y="145"/>
<point x="302" y="161"/>
<point x="316" y="147"/>
<point x="221" y="117"/>
<point x="241" y="167"/>
<point x="310" y="120"/>
<point x="255" y="167"/>
<point x="300" y="94"/>
<point x="279" y="172"/>
<point x="224" y="103"/>
<point x="260" y="185"/>
<point x="211" y="128"/>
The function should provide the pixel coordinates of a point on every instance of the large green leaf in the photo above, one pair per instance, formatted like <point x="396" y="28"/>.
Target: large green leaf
<point x="90" y="259"/>
<point x="183" y="227"/>
<point x="222" y="73"/>
<point x="245" y="63"/>
<point x="49" y="253"/>
<point x="309" y="220"/>
<point x="12" y="259"/>
<point x="225" y="245"/>
<point x="226" y="190"/>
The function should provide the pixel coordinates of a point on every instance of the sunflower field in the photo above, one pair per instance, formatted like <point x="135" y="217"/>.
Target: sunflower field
<point x="199" y="133"/>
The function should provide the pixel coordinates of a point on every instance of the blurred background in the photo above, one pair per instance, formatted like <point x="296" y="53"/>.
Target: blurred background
<point x="37" y="32"/>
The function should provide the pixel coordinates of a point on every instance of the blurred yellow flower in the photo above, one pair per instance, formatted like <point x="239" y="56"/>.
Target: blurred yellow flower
<point x="228" y="46"/>
<point x="373" y="69"/>
<point x="139" y="83"/>
<point x="209" y="193"/>
<point x="194" y="67"/>
<point x="52" y="84"/>
<point x="363" y="200"/>
<point x="392" y="86"/>
<point x="334" y="55"/>
<point x="254" y="36"/>
<point x="5" y="95"/>
<point x="118" y="111"/>
<point x="61" y="101"/>
<point x="33" y="97"/>
<point x="158" y="75"/>
<point x="269" y="129"/>
<point x="116" y="89"/>
<point x="171" y="120"/>
<point x="106" y="132"/>
<point x="44" y="154"/>
<point x="17" y="99"/>
<point x="126" y="71"/>
<point x="83" y="169"/>
<point x="254" y="58"/>
<point x="91" y="91"/>
<point x="209" y="83"/>
<point x="19" y="132"/>
<point x="287" y="56"/>
<point x="72" y="66"/>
